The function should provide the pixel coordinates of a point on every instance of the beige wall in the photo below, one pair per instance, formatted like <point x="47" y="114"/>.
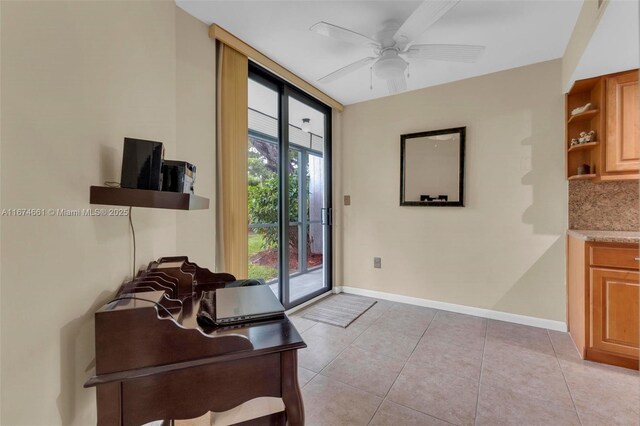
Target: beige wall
<point x="585" y="26"/>
<point x="505" y="249"/>
<point x="196" y="132"/>
<point x="76" y="78"/>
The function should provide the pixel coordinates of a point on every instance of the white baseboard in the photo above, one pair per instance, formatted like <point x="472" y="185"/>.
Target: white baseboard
<point x="461" y="309"/>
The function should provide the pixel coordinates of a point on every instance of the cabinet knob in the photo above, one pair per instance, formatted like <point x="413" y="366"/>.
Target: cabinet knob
<point x="637" y="259"/>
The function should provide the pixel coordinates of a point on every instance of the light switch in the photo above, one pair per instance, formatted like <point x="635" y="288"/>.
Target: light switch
<point x="377" y="262"/>
<point x="347" y="200"/>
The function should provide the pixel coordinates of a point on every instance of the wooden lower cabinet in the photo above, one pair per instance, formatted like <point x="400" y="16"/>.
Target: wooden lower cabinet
<point x="604" y="302"/>
<point x="614" y="311"/>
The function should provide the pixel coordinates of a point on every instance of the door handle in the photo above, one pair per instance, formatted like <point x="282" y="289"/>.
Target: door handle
<point x="326" y="216"/>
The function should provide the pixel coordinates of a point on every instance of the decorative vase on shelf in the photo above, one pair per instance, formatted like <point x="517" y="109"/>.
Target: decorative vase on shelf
<point x="584" y="138"/>
<point x="581" y="109"/>
<point x="584" y="169"/>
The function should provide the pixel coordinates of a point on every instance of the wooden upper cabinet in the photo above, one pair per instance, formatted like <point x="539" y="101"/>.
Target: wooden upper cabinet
<point x="622" y="152"/>
<point x="614" y="115"/>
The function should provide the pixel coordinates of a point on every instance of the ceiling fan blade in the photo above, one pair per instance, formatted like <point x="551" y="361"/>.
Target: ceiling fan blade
<point x="346" y="70"/>
<point x="342" y="34"/>
<point x="427" y="14"/>
<point x="397" y="85"/>
<point x="446" y="52"/>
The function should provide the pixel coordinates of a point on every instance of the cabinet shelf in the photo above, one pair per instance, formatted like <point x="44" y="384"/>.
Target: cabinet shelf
<point x="583" y="116"/>
<point x="145" y="198"/>
<point x="582" y="177"/>
<point x="583" y="146"/>
<point x="584" y="91"/>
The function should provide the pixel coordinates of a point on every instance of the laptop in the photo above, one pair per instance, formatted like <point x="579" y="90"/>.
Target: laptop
<point x="242" y="304"/>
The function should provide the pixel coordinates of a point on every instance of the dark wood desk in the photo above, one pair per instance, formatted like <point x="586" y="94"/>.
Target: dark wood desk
<point x="154" y="362"/>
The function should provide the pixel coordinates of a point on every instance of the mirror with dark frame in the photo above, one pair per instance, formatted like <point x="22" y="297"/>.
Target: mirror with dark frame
<point x="432" y="168"/>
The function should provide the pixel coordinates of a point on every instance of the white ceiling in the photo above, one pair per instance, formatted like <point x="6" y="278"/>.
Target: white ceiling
<point x="515" y="32"/>
<point x="615" y="44"/>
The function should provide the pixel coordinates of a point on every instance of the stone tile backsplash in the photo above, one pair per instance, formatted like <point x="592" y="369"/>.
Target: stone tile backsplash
<point x="610" y="206"/>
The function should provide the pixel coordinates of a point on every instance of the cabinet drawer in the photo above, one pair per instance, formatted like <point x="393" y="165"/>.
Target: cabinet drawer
<point x="614" y="257"/>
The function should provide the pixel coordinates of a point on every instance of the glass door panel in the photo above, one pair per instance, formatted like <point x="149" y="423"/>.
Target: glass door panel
<point x="294" y="231"/>
<point x="307" y="224"/>
<point x="289" y="191"/>
<point x="263" y="180"/>
<point x="315" y="211"/>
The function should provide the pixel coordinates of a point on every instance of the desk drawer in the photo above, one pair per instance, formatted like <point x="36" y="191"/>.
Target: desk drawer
<point x="615" y="257"/>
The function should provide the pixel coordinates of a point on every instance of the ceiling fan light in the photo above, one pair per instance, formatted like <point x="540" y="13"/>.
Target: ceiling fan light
<point x="389" y="68"/>
<point x="306" y="125"/>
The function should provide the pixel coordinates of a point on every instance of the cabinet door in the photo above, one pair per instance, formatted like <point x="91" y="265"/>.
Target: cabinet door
<point x="614" y="311"/>
<point x="622" y="138"/>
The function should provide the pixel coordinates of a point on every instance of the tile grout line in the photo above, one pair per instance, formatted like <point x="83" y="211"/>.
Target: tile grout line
<point x="341" y="352"/>
<point x="307" y="329"/>
<point x="385" y="397"/>
<point x="365" y="350"/>
<point x="309" y="381"/>
<point x="417" y="411"/>
<point x="427" y="364"/>
<point x="438" y="311"/>
<point x="484" y="346"/>
<point x="564" y="378"/>
<point x="368" y="326"/>
<point x="402" y="369"/>
<point x="405" y="364"/>
<point x="347" y="347"/>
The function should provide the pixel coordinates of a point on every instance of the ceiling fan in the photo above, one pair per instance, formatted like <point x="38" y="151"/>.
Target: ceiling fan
<point x="392" y="45"/>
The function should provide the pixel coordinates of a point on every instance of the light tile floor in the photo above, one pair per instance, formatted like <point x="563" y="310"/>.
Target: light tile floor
<point x="405" y="365"/>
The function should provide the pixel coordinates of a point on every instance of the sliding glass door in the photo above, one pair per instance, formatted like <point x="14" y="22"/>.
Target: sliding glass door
<point x="289" y="189"/>
<point x="263" y="161"/>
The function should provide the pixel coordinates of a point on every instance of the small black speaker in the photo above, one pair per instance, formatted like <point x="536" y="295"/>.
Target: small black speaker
<point x="178" y="176"/>
<point x="142" y="164"/>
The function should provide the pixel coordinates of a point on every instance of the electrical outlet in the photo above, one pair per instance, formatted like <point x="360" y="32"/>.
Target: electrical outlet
<point x="377" y="262"/>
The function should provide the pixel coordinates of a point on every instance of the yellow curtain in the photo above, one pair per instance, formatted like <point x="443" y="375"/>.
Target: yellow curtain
<point x="232" y="143"/>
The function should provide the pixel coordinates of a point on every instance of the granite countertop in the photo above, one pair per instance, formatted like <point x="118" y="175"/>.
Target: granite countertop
<point x="606" y="236"/>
